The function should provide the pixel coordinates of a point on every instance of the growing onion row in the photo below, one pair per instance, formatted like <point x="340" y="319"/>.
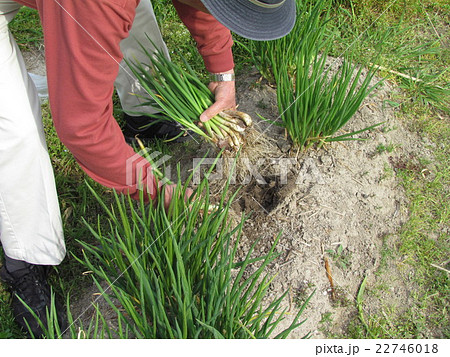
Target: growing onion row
<point x="315" y="98"/>
<point x="180" y="95"/>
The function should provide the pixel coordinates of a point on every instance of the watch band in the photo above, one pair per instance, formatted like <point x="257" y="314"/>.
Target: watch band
<point x="222" y="77"/>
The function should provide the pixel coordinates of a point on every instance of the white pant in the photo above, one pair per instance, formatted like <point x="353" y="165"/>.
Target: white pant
<point x="30" y="221"/>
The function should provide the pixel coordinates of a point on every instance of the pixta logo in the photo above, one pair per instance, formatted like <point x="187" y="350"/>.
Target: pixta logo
<point x="307" y="171"/>
<point x="141" y="167"/>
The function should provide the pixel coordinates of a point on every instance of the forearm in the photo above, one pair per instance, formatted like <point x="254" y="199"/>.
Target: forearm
<point x="213" y="40"/>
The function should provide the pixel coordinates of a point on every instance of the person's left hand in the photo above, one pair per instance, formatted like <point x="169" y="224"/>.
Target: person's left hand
<point x="169" y="191"/>
<point x="225" y="94"/>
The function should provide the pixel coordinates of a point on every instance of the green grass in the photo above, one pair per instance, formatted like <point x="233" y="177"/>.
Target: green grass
<point x="8" y="327"/>
<point x="425" y="239"/>
<point x="385" y="148"/>
<point x="412" y="38"/>
<point x="27" y="29"/>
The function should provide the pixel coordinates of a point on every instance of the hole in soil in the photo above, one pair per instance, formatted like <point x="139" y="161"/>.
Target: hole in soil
<point x="261" y="197"/>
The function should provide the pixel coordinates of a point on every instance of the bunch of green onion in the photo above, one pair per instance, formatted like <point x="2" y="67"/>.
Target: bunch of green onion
<point x="176" y="273"/>
<point x="313" y="104"/>
<point x="181" y="96"/>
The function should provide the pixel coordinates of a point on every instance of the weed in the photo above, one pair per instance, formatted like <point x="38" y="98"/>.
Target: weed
<point x="387" y="129"/>
<point x="388" y="172"/>
<point x="381" y="148"/>
<point x="302" y="293"/>
<point x="342" y="257"/>
<point x="340" y="298"/>
<point x="326" y="318"/>
<point x="386" y="254"/>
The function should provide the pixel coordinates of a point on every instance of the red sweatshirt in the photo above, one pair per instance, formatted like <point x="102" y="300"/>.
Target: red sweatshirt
<point x="82" y="57"/>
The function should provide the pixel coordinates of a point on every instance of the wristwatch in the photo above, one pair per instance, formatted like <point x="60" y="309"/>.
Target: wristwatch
<point x="222" y="77"/>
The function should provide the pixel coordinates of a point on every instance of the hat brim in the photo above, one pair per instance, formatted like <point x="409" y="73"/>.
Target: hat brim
<point x="251" y="21"/>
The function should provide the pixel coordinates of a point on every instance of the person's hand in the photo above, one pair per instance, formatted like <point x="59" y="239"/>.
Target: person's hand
<point x="168" y="195"/>
<point x="225" y="95"/>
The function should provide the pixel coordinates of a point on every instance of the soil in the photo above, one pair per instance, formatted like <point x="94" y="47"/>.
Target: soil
<point x="341" y="195"/>
<point x="34" y="58"/>
<point x="342" y="203"/>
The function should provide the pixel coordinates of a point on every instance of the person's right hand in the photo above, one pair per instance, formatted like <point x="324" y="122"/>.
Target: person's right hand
<point x="225" y="98"/>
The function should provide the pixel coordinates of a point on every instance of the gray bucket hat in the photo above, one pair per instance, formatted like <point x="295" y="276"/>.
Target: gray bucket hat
<point x="255" y="19"/>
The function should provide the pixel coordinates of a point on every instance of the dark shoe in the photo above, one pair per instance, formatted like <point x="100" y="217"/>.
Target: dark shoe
<point x="30" y="285"/>
<point x="147" y="129"/>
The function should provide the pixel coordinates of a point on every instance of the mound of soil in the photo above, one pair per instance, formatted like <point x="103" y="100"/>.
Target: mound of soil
<point x="339" y="203"/>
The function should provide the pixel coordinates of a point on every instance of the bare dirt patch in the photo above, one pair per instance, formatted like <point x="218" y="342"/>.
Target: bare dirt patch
<point x="34" y="59"/>
<point x="343" y="195"/>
